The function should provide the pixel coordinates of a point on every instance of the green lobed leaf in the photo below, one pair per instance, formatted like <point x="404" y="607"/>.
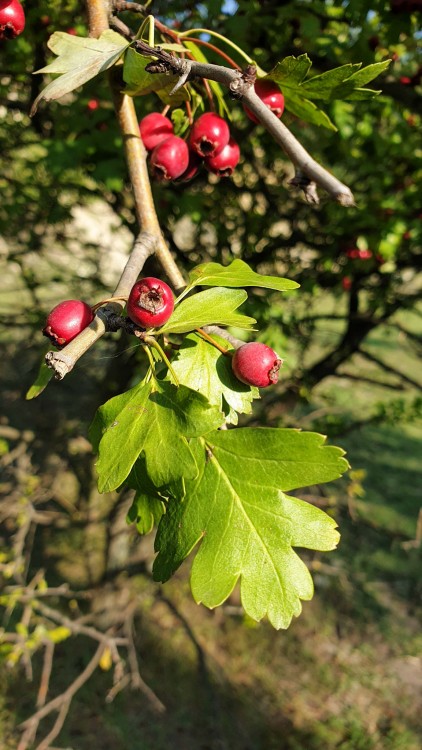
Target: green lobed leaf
<point x="145" y="511"/>
<point x="79" y="60"/>
<point x="245" y="524"/>
<point x="291" y="71"/>
<point x="237" y="274"/>
<point x="140" y="82"/>
<point x="41" y="381"/>
<point x="307" y="111"/>
<point x="324" y="85"/>
<point x="216" y="306"/>
<point x="137" y="422"/>
<point x="367" y="74"/>
<point x="205" y="369"/>
<point x="344" y="82"/>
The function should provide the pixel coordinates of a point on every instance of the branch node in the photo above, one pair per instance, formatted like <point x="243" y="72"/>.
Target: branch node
<point x="303" y="182"/>
<point x="244" y="80"/>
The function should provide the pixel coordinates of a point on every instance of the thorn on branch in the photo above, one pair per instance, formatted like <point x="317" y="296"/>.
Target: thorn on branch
<point x="301" y="181"/>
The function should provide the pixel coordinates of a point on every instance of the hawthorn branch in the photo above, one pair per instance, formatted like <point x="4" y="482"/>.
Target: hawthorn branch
<point x="240" y="85"/>
<point x="63" y="361"/>
<point x="150" y="238"/>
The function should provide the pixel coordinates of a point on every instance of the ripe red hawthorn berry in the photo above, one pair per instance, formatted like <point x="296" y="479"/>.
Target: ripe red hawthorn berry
<point x="93" y="104"/>
<point x="150" y="302"/>
<point x="355" y="254"/>
<point x="346" y="283"/>
<point x="193" y="167"/>
<point x="224" y="162"/>
<point x="154" y="129"/>
<point x="256" y="364"/>
<point x="270" y="95"/>
<point x="12" y="19"/>
<point x="66" y="320"/>
<point x="170" y="158"/>
<point x="209" y="134"/>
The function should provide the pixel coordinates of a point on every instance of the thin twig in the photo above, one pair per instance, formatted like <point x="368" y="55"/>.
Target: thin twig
<point x="56" y="728"/>
<point x="65" y="697"/>
<point x="136" y="679"/>
<point x="75" y="627"/>
<point x="63" y="361"/>
<point x="46" y="673"/>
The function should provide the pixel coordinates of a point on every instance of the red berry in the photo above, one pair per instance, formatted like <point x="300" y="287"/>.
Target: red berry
<point x="405" y="80"/>
<point x="224" y="162"/>
<point x="154" y="129"/>
<point x="150" y="302"/>
<point x="346" y="283"/>
<point x="209" y="134"/>
<point x="72" y="31"/>
<point x="193" y="167"/>
<point x="270" y="95"/>
<point x="93" y="104"/>
<point x="66" y="320"/>
<point x="256" y="364"/>
<point x="170" y="158"/>
<point x="353" y="253"/>
<point x="12" y="19"/>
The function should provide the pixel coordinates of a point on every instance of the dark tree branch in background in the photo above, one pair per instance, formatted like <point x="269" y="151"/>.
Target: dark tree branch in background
<point x="241" y="87"/>
<point x="388" y="368"/>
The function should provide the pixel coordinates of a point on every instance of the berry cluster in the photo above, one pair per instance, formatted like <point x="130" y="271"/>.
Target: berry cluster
<point x="172" y="158"/>
<point x="209" y="143"/>
<point x="12" y="19"/>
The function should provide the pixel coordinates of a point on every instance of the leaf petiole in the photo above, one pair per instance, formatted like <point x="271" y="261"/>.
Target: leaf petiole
<point x="210" y="340"/>
<point x="151" y="341"/>
<point x="148" y="21"/>
<point x="224" y="39"/>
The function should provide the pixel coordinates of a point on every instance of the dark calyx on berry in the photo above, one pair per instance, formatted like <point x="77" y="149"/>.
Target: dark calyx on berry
<point x="209" y="134"/>
<point x="256" y="364"/>
<point x="150" y="302"/>
<point x="224" y="162"/>
<point x="169" y="159"/>
<point x="12" y="19"/>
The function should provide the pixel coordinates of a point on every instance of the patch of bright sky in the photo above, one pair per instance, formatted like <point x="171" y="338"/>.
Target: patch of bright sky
<point x="229" y="7"/>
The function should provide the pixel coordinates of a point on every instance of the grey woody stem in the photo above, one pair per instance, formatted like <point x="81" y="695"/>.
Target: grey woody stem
<point x="63" y="361"/>
<point x="240" y="85"/>
<point x="149" y="240"/>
